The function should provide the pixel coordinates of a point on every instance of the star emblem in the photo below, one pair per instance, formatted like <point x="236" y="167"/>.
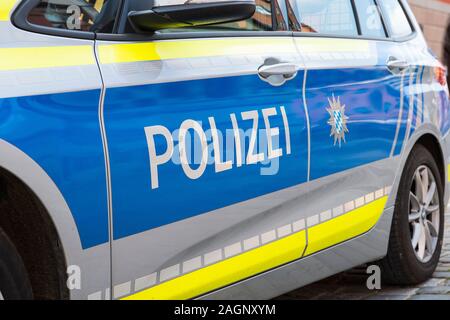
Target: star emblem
<point x="338" y="120"/>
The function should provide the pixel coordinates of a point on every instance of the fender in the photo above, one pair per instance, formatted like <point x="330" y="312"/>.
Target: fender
<point x="93" y="262"/>
<point x="444" y="144"/>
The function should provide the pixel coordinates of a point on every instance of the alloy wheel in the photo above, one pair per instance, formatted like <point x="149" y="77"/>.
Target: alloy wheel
<point x="424" y="214"/>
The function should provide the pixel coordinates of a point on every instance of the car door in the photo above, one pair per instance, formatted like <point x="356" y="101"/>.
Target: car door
<point x="207" y="152"/>
<point x="355" y="103"/>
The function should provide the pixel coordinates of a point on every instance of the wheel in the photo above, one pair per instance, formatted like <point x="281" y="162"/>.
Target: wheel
<point x="14" y="282"/>
<point x="417" y="229"/>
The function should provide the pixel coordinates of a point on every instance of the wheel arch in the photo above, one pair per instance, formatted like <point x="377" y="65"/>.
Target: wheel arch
<point x="30" y="228"/>
<point x="432" y="144"/>
<point x="37" y="219"/>
<point x="430" y="137"/>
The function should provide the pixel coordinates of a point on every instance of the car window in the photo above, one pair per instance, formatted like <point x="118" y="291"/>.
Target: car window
<point x="293" y="15"/>
<point x="369" y="18"/>
<point x="396" y="18"/>
<point x="268" y="17"/>
<point x="80" y="15"/>
<point x="333" y="17"/>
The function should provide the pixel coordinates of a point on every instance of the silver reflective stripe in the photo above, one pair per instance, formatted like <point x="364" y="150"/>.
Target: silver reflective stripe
<point x="412" y="81"/>
<point x="1" y="296"/>
<point x="308" y="126"/>
<point x="400" y="114"/>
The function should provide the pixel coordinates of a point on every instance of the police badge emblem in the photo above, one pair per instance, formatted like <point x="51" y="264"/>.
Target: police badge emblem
<point x="338" y="120"/>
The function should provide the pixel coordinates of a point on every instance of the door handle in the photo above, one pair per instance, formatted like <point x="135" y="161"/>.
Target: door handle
<point x="397" y="65"/>
<point x="277" y="73"/>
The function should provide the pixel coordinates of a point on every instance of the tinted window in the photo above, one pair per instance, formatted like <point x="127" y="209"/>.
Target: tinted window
<point x="396" y="18"/>
<point x="261" y="20"/>
<point x="293" y="15"/>
<point x="369" y="18"/>
<point x="325" y="16"/>
<point x="268" y="17"/>
<point x="80" y="15"/>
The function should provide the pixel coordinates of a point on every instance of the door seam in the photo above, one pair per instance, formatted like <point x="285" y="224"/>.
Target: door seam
<point x="104" y="137"/>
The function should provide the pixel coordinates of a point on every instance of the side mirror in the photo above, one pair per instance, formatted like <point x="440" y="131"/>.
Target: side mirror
<point x="191" y="14"/>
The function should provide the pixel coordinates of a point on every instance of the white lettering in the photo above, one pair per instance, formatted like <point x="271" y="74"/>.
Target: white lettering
<point x="237" y="139"/>
<point x="193" y="125"/>
<point x="286" y="130"/>
<point x="271" y="132"/>
<point x="211" y="147"/>
<point x="253" y="158"/>
<point x="220" y="166"/>
<point x="156" y="160"/>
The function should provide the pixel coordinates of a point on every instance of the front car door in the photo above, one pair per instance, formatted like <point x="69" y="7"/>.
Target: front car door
<point x="205" y="155"/>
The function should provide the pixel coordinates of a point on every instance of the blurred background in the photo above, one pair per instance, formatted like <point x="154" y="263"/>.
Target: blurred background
<point x="433" y="16"/>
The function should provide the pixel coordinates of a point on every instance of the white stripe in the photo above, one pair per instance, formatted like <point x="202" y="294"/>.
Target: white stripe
<point x="349" y="206"/>
<point x="107" y="294"/>
<point x="369" y="197"/>
<point x="379" y="193"/>
<point x="192" y="264"/>
<point x="359" y="202"/>
<point x="326" y="215"/>
<point x="299" y="225"/>
<point x="268" y="236"/>
<point x="251" y="243"/>
<point x="123" y="289"/>
<point x="338" y="211"/>
<point x="145" y="282"/>
<point x="212" y="257"/>
<point x="284" y="231"/>
<point x="93" y="296"/>
<point x="387" y="190"/>
<point x="169" y="273"/>
<point x="312" y="221"/>
<point x="233" y="250"/>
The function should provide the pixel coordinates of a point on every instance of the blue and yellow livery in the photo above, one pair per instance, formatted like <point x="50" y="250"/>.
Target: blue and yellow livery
<point x="239" y="156"/>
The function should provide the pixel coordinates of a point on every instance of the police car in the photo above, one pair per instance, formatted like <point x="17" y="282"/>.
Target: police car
<point x="213" y="149"/>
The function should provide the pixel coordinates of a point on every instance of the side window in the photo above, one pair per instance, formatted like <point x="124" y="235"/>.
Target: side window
<point x="369" y="18"/>
<point x="80" y="15"/>
<point x="268" y="17"/>
<point x="334" y="17"/>
<point x="293" y="15"/>
<point x="280" y="23"/>
<point x="396" y="18"/>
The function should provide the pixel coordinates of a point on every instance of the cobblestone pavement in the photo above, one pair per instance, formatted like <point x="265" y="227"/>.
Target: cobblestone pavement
<point x="351" y="285"/>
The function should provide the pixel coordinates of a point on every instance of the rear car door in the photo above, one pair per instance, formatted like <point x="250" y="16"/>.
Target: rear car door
<point x="207" y="150"/>
<point x="354" y="102"/>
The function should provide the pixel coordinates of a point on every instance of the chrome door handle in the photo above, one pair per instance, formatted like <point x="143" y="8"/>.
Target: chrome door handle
<point x="397" y="65"/>
<point x="280" y="69"/>
<point x="277" y="73"/>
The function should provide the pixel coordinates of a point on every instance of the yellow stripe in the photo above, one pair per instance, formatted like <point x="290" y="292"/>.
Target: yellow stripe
<point x="345" y="227"/>
<point x="322" y="236"/>
<point x="228" y="271"/>
<point x="6" y="7"/>
<point x="45" y="57"/>
<point x="311" y="45"/>
<point x="162" y="50"/>
<point x="448" y="173"/>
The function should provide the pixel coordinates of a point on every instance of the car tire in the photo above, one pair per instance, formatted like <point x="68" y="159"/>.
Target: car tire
<point x="407" y="263"/>
<point x="14" y="281"/>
